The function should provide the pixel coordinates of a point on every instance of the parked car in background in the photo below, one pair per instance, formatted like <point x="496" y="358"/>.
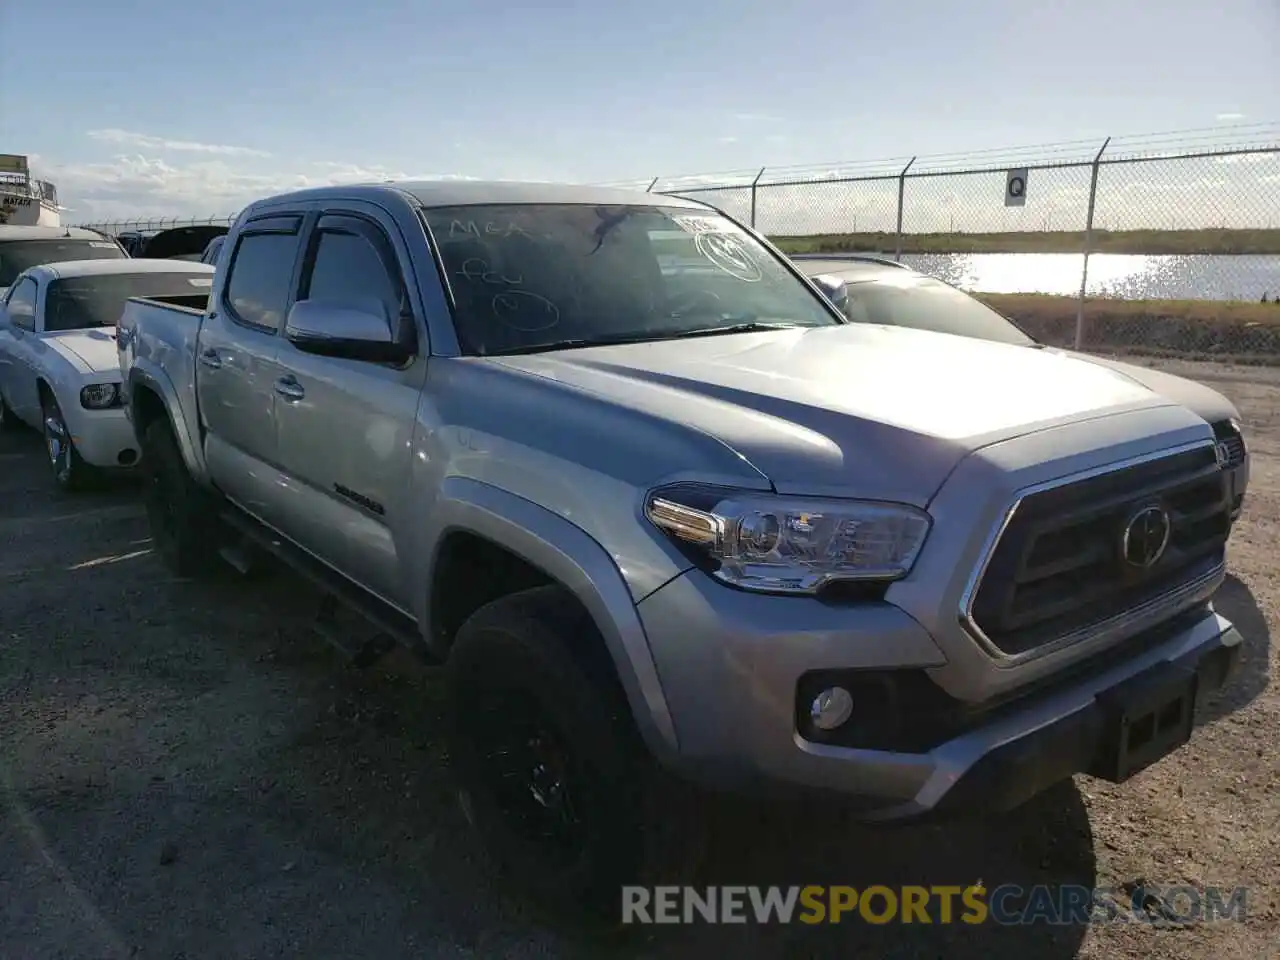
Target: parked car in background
<point x="175" y="243"/>
<point x="134" y="240"/>
<point x="659" y="508"/>
<point x="58" y="366"/>
<point x="182" y="243"/>
<point x="211" y="251"/>
<point x="874" y="289"/>
<point x="23" y="247"/>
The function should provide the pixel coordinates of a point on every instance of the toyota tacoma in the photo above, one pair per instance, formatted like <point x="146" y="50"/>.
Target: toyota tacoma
<point x="662" y="513"/>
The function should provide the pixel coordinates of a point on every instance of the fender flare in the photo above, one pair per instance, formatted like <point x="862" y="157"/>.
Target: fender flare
<point x="151" y="376"/>
<point x="572" y="557"/>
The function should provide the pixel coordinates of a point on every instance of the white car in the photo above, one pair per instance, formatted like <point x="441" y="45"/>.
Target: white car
<point x="59" y="370"/>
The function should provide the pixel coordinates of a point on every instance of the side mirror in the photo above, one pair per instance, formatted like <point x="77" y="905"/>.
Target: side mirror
<point x="348" y="329"/>
<point x="833" y="288"/>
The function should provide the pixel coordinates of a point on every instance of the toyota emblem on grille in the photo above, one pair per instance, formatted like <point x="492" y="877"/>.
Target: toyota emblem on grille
<point x="1146" y="536"/>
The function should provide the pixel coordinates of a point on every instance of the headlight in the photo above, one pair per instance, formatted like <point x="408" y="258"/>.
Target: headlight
<point x="99" y="396"/>
<point x="791" y="545"/>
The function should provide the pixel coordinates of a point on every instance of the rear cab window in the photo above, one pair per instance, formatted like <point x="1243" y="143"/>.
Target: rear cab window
<point x="80" y="303"/>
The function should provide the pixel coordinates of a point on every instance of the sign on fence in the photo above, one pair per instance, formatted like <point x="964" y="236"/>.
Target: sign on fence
<point x="1015" y="187"/>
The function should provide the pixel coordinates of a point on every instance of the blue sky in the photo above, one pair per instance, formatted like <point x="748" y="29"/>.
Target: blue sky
<point x="194" y="107"/>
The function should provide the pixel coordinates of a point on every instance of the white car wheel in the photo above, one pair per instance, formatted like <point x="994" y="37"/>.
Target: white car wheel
<point x="69" y="471"/>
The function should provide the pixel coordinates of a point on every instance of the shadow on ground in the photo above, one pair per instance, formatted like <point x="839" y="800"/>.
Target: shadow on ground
<point x="1049" y="841"/>
<point x="1235" y="601"/>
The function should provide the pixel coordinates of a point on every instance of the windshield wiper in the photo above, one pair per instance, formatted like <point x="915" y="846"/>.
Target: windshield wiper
<point x="574" y="343"/>
<point x="649" y="336"/>
<point x="750" y="326"/>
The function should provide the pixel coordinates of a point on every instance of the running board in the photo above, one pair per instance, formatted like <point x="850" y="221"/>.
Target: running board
<point x="362" y="649"/>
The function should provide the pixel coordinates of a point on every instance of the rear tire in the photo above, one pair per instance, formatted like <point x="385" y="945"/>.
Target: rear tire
<point x="552" y="775"/>
<point x="182" y="515"/>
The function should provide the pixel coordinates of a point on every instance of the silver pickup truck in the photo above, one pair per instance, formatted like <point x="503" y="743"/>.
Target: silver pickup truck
<point x="659" y="509"/>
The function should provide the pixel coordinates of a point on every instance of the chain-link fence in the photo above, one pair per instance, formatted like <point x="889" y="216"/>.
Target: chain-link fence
<point x="1156" y="251"/>
<point x="1150" y="245"/>
<point x="114" y="228"/>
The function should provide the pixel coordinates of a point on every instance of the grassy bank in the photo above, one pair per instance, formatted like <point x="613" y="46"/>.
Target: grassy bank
<point x="1045" y="241"/>
<point x="1238" y="330"/>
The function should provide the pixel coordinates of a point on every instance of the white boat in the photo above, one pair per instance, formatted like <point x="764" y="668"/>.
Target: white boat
<point x="25" y="201"/>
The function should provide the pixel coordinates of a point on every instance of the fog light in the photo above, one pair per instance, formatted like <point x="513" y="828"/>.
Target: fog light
<point x="830" y="708"/>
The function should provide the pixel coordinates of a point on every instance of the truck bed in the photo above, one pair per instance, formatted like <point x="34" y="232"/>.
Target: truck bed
<point x="164" y="346"/>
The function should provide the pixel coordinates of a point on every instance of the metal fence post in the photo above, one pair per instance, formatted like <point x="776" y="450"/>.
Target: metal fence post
<point x="902" y="195"/>
<point x="1088" y="242"/>
<point x="754" y="184"/>
<point x="652" y="183"/>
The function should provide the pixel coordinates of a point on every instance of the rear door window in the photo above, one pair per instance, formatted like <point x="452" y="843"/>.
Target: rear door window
<point x="261" y="272"/>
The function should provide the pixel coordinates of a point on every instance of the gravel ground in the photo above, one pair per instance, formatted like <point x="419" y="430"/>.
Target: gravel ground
<point x="187" y="771"/>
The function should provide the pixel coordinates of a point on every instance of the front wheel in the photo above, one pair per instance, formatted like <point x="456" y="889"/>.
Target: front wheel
<point x="552" y="775"/>
<point x="70" y="472"/>
<point x="8" y="419"/>
<point x="182" y="516"/>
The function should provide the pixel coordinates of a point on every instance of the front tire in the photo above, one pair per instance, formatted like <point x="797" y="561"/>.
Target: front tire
<point x="552" y="775"/>
<point x="181" y="514"/>
<point x="9" y="421"/>
<point x="70" y="472"/>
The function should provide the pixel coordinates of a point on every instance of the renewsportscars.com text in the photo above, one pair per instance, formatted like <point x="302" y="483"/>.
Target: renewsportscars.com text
<point x="1005" y="905"/>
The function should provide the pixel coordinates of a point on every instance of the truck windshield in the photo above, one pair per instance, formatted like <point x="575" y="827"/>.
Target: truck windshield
<point x="526" y="277"/>
<point x="18" y="255"/>
<point x="77" y="303"/>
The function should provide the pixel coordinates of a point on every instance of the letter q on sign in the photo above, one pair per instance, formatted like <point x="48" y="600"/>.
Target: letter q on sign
<point x="1015" y="187"/>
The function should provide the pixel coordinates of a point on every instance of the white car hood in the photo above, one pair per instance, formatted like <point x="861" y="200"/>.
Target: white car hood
<point x="89" y="351"/>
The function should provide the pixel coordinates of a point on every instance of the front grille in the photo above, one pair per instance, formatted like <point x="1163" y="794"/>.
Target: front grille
<point x="1059" y="568"/>
<point x="1230" y="442"/>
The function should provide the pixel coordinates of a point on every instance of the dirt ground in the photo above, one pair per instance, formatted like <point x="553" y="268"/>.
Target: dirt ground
<point x="186" y="771"/>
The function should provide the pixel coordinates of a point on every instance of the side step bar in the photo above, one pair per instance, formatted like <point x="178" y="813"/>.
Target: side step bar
<point x="389" y="626"/>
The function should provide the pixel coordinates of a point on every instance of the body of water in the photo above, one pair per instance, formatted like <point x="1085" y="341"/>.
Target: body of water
<point x="1129" y="276"/>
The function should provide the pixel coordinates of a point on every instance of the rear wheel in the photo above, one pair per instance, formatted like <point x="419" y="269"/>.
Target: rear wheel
<point x="70" y="472"/>
<point x="182" y="515"/>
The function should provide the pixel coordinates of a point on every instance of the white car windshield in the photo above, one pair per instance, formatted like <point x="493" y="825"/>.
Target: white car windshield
<point x="530" y="277"/>
<point x="928" y="304"/>
<point x="78" y="303"/>
<point x="19" y="255"/>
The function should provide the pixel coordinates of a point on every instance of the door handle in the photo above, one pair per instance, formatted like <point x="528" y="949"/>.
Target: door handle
<point x="211" y="359"/>
<point x="290" y="389"/>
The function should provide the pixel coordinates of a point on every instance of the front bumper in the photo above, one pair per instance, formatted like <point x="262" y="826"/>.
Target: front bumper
<point x="733" y="667"/>
<point x="103" y="438"/>
<point x="1238" y="481"/>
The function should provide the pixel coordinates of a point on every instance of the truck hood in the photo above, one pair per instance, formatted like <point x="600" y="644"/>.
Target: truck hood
<point x="1204" y="402"/>
<point x="89" y="351"/>
<point x="851" y="410"/>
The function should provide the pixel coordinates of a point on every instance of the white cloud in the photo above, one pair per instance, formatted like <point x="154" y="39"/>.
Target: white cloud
<point x="132" y="187"/>
<point x="148" y="142"/>
<point x="1229" y="116"/>
<point x="728" y="139"/>
<point x="757" y="118"/>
